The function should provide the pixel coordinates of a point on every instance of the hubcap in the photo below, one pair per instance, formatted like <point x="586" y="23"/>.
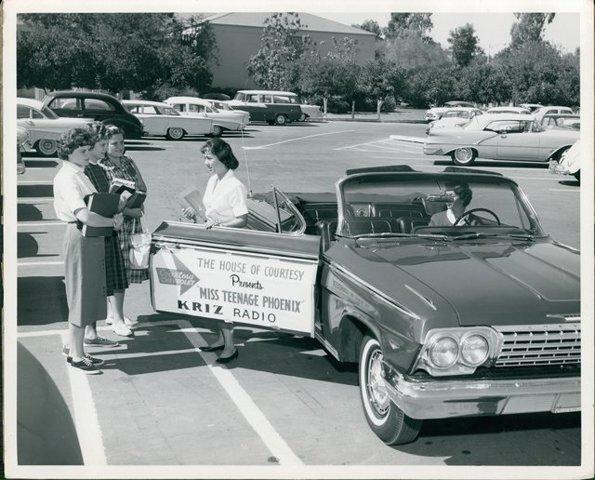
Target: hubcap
<point x="281" y="120"/>
<point x="464" y="155"/>
<point x="46" y="146"/>
<point x="376" y="386"/>
<point x="175" y="132"/>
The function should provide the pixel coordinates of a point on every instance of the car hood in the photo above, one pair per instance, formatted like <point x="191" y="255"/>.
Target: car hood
<point x="495" y="283"/>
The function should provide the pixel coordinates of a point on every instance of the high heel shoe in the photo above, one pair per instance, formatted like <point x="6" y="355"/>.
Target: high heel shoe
<point x="224" y="360"/>
<point x="211" y="348"/>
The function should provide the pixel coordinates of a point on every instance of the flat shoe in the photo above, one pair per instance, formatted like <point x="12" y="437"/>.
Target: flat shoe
<point x="121" y="330"/>
<point x="209" y="348"/>
<point x="224" y="360"/>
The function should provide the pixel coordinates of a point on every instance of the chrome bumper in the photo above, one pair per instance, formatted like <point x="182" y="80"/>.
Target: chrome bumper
<point x="458" y="398"/>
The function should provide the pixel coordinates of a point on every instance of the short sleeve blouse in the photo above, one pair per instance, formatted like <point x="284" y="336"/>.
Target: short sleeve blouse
<point x="225" y="199"/>
<point x="71" y="186"/>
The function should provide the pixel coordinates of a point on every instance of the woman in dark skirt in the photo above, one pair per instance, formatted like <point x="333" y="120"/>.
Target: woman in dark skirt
<point x="116" y="280"/>
<point x="84" y="257"/>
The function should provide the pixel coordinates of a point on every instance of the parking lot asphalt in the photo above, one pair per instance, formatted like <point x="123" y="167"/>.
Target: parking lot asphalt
<point x="160" y="401"/>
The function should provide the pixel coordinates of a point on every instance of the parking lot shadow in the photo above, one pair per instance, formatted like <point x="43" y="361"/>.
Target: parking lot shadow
<point x="41" y="163"/>
<point x="496" y="164"/>
<point x="28" y="247"/>
<point x="138" y="148"/>
<point x="41" y="301"/>
<point x="27" y="212"/>
<point x="570" y="183"/>
<point x="481" y="455"/>
<point x="46" y="190"/>
<point x="273" y="352"/>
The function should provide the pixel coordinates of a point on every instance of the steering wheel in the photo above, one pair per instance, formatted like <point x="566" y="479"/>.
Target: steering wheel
<point x="473" y="210"/>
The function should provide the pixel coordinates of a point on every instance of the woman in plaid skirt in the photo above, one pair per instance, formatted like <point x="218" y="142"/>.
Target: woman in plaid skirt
<point x="118" y="165"/>
<point x="116" y="278"/>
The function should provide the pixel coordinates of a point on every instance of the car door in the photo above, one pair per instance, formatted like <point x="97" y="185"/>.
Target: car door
<point x="256" y="107"/>
<point x="521" y="142"/>
<point x="153" y="123"/>
<point x="98" y="109"/>
<point x="260" y="277"/>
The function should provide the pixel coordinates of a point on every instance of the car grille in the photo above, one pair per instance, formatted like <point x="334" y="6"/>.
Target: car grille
<point x="558" y="344"/>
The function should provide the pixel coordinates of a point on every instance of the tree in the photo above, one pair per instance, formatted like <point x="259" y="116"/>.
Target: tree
<point x="529" y="27"/>
<point x="112" y="52"/>
<point x="370" y="26"/>
<point x="483" y="83"/>
<point x="409" y="50"/>
<point x="400" y="23"/>
<point x="381" y="78"/>
<point x="281" y="45"/>
<point x="464" y="44"/>
<point x="334" y="74"/>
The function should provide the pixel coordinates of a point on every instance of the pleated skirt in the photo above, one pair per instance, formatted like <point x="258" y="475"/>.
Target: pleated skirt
<point x="84" y="277"/>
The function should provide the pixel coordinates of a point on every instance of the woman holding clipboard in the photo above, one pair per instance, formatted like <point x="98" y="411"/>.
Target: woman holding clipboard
<point x="225" y="205"/>
<point x="84" y="256"/>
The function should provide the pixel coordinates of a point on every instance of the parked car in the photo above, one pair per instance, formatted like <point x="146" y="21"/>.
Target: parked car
<point x="550" y="110"/>
<point x="570" y="162"/>
<point x="223" y="120"/>
<point x="44" y="126"/>
<point x="454" y="117"/>
<point x="435" y="113"/>
<point x="512" y="137"/>
<point x="97" y="106"/>
<point x="561" y="120"/>
<point x="361" y="271"/>
<point x="269" y="106"/>
<point x="531" y="106"/>
<point x="23" y="143"/>
<point x="160" y="119"/>
<point x="508" y="110"/>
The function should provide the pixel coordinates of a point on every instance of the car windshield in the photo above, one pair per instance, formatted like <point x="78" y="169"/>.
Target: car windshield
<point x="447" y="206"/>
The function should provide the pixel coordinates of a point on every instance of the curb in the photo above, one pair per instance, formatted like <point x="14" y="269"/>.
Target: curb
<point x="403" y="138"/>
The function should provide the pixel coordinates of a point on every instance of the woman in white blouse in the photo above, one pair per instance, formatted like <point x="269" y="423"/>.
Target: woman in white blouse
<point x="225" y="205"/>
<point x="84" y="257"/>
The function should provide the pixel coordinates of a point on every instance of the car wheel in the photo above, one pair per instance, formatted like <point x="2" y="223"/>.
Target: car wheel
<point x="304" y="117"/>
<point x="280" y="119"/>
<point x="386" y="420"/>
<point x="175" y="133"/>
<point x="463" y="156"/>
<point x="217" y="131"/>
<point x="46" y="147"/>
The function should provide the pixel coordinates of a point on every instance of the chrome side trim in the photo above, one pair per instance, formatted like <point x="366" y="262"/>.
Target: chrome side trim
<point x="425" y="299"/>
<point x="332" y="350"/>
<point x="380" y="295"/>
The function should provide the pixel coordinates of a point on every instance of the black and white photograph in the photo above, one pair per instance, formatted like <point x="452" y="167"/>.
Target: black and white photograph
<point x="298" y="239"/>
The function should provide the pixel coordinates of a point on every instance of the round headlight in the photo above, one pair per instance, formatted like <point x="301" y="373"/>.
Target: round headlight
<point x="444" y="352"/>
<point x="474" y="349"/>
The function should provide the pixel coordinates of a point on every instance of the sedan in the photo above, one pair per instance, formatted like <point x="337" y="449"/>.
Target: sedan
<point x="44" y="126"/>
<point x="161" y="120"/>
<point x="454" y="118"/>
<point x="561" y="120"/>
<point x="513" y="137"/>
<point x="223" y="120"/>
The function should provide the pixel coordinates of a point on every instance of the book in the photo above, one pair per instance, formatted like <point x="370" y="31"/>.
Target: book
<point x="136" y="200"/>
<point x="191" y="197"/>
<point x="119" y="185"/>
<point x="104" y="204"/>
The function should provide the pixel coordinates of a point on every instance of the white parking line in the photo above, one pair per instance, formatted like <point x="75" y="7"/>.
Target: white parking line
<point x="42" y="223"/>
<point x="85" y="418"/>
<point x="567" y="190"/>
<point x="352" y="146"/>
<point x="35" y="199"/>
<point x="245" y="404"/>
<point x="90" y="433"/>
<point x="35" y="182"/>
<point x="40" y="264"/>
<point x="294" y="140"/>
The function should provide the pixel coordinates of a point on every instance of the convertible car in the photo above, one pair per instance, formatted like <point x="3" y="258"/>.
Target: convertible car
<point x="510" y="137"/>
<point x="480" y="317"/>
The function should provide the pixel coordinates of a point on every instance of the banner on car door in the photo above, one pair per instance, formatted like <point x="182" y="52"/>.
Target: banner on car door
<point x="264" y="291"/>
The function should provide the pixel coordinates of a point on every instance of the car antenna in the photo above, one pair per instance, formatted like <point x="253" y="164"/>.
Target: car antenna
<point x="246" y="163"/>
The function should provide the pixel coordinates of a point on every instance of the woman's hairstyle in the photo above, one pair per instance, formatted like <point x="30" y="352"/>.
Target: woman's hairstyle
<point x="222" y="150"/>
<point x="73" y="139"/>
<point x="464" y="192"/>
<point x="98" y="131"/>
<point x="112" y="130"/>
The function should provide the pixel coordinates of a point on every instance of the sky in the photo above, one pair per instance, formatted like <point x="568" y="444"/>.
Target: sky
<point x="493" y="29"/>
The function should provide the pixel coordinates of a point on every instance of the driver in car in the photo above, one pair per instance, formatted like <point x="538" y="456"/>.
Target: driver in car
<point x="461" y="196"/>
